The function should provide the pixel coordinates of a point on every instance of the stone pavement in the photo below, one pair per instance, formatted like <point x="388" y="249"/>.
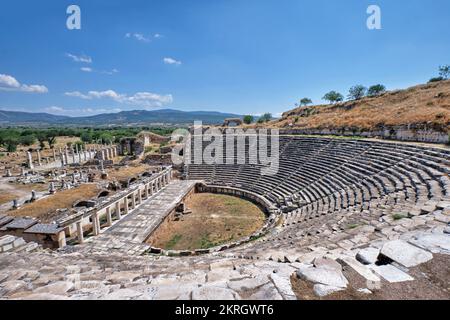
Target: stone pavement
<point x="128" y="234"/>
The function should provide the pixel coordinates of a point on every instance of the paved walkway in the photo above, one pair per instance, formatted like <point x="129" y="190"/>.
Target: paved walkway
<point x="128" y="234"/>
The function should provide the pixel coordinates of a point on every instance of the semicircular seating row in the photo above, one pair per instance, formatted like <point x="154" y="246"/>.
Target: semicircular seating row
<point x="325" y="179"/>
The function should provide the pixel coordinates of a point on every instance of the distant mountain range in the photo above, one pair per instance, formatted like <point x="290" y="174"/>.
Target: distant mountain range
<point x="165" y="117"/>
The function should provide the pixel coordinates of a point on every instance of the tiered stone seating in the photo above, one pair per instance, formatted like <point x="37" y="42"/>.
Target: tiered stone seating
<point x="323" y="182"/>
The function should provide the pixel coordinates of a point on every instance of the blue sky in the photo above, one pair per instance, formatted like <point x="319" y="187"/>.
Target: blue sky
<point x="242" y="56"/>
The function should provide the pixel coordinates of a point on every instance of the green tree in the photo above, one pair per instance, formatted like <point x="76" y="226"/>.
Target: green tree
<point x="305" y="101"/>
<point x="41" y="137"/>
<point x="11" y="144"/>
<point x="357" y="92"/>
<point x="106" y="137"/>
<point x="333" y="97"/>
<point x="51" y="137"/>
<point x="376" y="90"/>
<point x="248" y="119"/>
<point x="266" y="117"/>
<point x="27" y="140"/>
<point x="444" y="71"/>
<point x="86" y="137"/>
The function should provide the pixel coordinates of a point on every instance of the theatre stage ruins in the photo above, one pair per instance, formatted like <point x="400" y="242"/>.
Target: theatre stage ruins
<point x="357" y="219"/>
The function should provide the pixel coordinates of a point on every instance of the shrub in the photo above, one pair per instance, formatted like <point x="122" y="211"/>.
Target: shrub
<point x="357" y="92"/>
<point x="248" y="119"/>
<point x="28" y="140"/>
<point x="305" y="101"/>
<point x="436" y="79"/>
<point x="376" y="90"/>
<point x="444" y="71"/>
<point x="265" y="118"/>
<point x="333" y="97"/>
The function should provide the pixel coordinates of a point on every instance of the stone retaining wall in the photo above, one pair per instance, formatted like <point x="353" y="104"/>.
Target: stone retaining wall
<point x="424" y="134"/>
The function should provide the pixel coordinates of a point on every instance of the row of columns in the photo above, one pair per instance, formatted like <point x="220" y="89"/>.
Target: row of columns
<point x="75" y="155"/>
<point x="108" y="153"/>
<point x="145" y="191"/>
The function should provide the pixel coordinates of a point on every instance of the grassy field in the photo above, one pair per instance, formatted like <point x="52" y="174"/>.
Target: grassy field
<point x="215" y="220"/>
<point x="45" y="209"/>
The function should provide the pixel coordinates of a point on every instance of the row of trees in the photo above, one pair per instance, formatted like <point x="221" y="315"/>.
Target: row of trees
<point x="359" y="91"/>
<point x="11" y="138"/>
<point x="355" y="93"/>
<point x="266" y="117"/>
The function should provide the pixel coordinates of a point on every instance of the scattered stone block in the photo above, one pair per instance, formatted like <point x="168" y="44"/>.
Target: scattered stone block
<point x="405" y="253"/>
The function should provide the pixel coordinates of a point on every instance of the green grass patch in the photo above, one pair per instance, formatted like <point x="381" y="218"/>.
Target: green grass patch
<point x="172" y="243"/>
<point x="399" y="216"/>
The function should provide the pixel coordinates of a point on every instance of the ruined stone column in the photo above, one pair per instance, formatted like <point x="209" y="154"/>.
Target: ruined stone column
<point x="67" y="155"/>
<point x="73" y="156"/>
<point x="54" y="155"/>
<point x="126" y="205"/>
<point x="39" y="157"/>
<point x="95" y="224"/>
<point x="140" y="196"/>
<point x="30" y="160"/>
<point x="61" y="156"/>
<point x="33" y="196"/>
<point x="146" y="191"/>
<point x="52" y="189"/>
<point x="8" y="173"/>
<point x="108" y="217"/>
<point x="118" y="215"/>
<point x="133" y="201"/>
<point x="80" y="232"/>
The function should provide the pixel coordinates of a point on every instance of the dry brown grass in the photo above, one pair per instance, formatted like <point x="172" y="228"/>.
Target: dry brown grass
<point x="45" y="208"/>
<point x="9" y="192"/>
<point x="215" y="219"/>
<point x="124" y="173"/>
<point x="423" y="104"/>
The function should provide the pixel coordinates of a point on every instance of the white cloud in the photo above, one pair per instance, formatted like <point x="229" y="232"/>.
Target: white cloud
<point x="171" y="61"/>
<point x="82" y="58"/>
<point x="9" y="83"/>
<point x="138" y="37"/>
<point x="113" y="71"/>
<point x="86" y="69"/>
<point x="142" y="99"/>
<point x="157" y="35"/>
<point x="77" y="94"/>
<point x="34" y="88"/>
<point x="54" y="109"/>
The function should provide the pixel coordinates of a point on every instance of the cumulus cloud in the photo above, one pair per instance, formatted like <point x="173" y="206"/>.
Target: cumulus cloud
<point x="82" y="58"/>
<point x="171" y="61"/>
<point x="86" y="69"/>
<point x="9" y="83"/>
<point x="142" y="99"/>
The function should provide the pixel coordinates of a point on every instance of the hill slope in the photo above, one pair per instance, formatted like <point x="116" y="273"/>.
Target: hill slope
<point x="136" y="117"/>
<point x="424" y="104"/>
<point x="17" y="118"/>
